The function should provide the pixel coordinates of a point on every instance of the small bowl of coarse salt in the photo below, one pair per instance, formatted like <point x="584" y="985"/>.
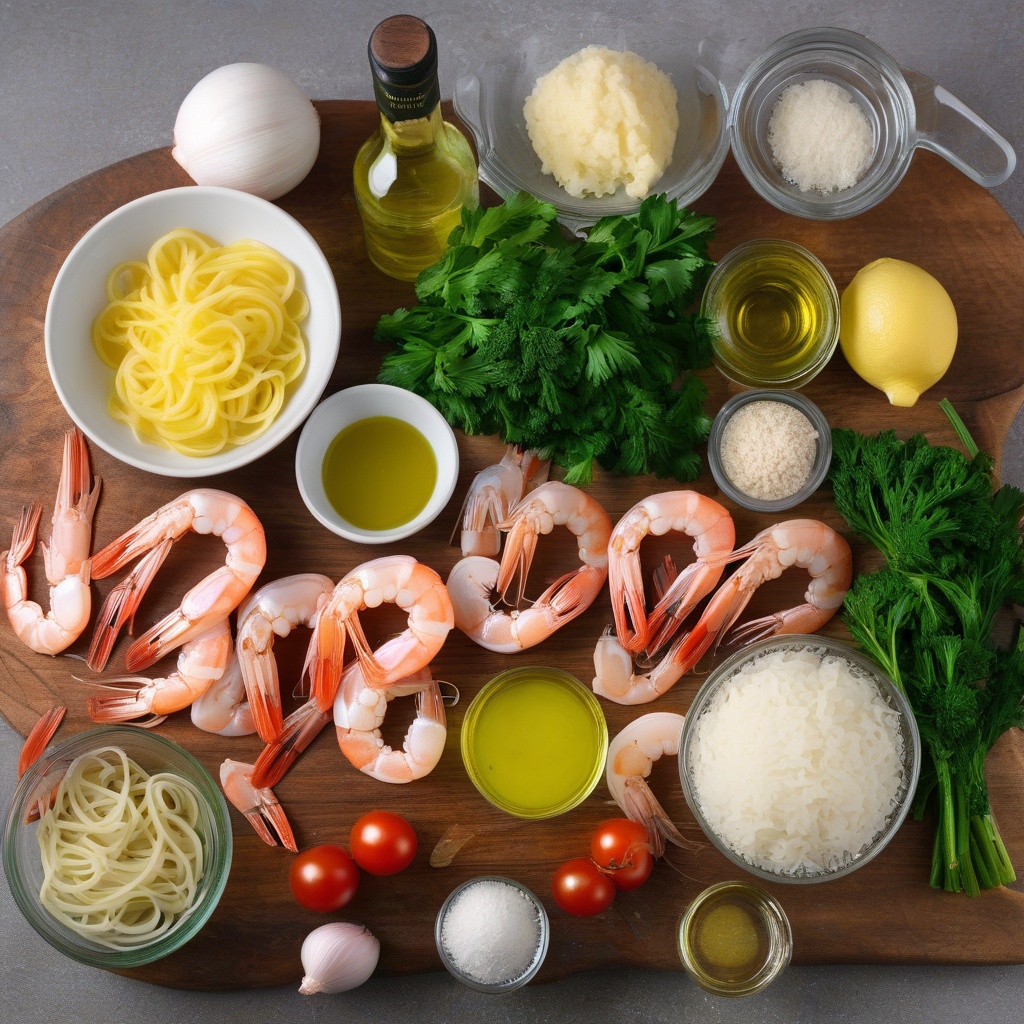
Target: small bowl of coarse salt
<point x="824" y="124"/>
<point x="769" y="450"/>
<point x="492" y="934"/>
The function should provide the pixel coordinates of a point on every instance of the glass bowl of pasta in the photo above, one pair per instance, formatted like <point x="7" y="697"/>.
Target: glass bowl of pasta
<point x="117" y="846"/>
<point x="192" y="330"/>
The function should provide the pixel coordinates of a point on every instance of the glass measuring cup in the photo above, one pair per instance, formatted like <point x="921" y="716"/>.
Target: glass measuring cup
<point x="905" y="109"/>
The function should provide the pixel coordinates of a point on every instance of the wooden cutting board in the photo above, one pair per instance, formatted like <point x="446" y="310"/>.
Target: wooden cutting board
<point x="885" y="912"/>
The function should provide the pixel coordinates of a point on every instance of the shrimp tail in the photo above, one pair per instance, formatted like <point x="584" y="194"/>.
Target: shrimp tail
<point x="641" y="805"/>
<point x="325" y="659"/>
<point x="259" y="805"/>
<point x="263" y="691"/>
<point x="301" y="727"/>
<point x="40" y="735"/>
<point x="572" y="594"/>
<point x="121" y="605"/>
<point x="125" y="704"/>
<point x="23" y="540"/>
<point x="681" y="591"/>
<point x="516" y="561"/>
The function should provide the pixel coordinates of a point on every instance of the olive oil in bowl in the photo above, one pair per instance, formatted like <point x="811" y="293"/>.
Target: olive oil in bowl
<point x="775" y="311"/>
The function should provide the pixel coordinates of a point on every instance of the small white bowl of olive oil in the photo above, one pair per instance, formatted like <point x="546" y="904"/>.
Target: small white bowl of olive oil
<point x="376" y="463"/>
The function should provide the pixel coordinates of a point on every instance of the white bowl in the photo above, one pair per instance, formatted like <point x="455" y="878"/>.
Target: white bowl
<point x="349" y="406"/>
<point x="85" y="383"/>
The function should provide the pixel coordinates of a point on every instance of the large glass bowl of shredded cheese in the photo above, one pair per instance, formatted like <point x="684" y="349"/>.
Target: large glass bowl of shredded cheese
<point x="799" y="758"/>
<point x="131" y="853"/>
<point x="191" y="331"/>
<point x="491" y="102"/>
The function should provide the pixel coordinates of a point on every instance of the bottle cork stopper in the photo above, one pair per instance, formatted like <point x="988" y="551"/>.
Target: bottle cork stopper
<point x="402" y="41"/>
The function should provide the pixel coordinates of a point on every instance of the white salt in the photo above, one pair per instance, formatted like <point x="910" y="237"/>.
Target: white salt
<point x="491" y="932"/>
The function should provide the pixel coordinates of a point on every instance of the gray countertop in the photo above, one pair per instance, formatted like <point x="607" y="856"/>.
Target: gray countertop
<point x="85" y="84"/>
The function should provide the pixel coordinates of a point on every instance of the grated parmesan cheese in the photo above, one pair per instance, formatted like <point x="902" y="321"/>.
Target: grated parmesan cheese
<point x="768" y="449"/>
<point x="819" y="136"/>
<point x="797" y="762"/>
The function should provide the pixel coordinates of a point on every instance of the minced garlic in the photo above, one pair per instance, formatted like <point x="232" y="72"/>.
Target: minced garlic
<point x="768" y="449"/>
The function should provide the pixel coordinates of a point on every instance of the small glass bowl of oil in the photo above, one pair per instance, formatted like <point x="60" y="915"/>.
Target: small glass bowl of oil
<point x="735" y="939"/>
<point x="534" y="742"/>
<point x="775" y="313"/>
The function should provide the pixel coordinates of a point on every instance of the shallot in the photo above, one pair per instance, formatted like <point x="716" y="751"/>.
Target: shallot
<point x="338" y="956"/>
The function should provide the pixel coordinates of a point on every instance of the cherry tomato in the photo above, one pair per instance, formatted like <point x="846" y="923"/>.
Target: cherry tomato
<point x="323" y="878"/>
<point x="623" y="846"/>
<point x="383" y="843"/>
<point x="581" y="888"/>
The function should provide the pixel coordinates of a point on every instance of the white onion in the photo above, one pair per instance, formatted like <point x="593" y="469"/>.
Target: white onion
<point x="338" y="956"/>
<point x="247" y="127"/>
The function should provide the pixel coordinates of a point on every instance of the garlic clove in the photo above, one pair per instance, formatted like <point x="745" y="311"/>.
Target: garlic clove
<point x="248" y="127"/>
<point x="337" y="957"/>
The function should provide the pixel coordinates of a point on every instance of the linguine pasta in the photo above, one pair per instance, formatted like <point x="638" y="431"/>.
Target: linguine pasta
<point x="121" y="850"/>
<point x="205" y="340"/>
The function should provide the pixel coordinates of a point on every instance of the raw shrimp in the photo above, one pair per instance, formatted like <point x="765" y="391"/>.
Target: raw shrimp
<point x="40" y="734"/>
<point x="274" y="611"/>
<point x="259" y="805"/>
<point x="301" y="727"/>
<point x="393" y="579"/>
<point x="704" y="519"/>
<point x="617" y="679"/>
<point x="201" y="662"/>
<point x="473" y="579"/>
<point x="492" y="493"/>
<point x="66" y="558"/>
<point x="805" y="543"/>
<point x="359" y="712"/>
<point x="203" y="511"/>
<point x="223" y="708"/>
<point x="631" y="756"/>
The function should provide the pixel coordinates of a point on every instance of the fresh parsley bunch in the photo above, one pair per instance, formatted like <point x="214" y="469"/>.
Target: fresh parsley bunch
<point x="577" y="348"/>
<point x="954" y="560"/>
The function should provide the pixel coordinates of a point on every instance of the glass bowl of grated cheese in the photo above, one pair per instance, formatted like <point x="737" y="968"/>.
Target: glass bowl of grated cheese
<point x="769" y="450"/>
<point x="824" y="124"/>
<point x="799" y="758"/>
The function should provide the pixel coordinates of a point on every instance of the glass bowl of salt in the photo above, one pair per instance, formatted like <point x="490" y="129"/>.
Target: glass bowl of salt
<point x="769" y="450"/>
<point x="492" y="934"/>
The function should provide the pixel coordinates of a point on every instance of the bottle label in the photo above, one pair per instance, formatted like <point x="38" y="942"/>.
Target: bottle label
<point x="406" y="103"/>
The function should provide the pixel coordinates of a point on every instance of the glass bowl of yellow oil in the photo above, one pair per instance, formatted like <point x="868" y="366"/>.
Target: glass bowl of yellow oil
<point x="735" y="939"/>
<point x="534" y="742"/>
<point x="774" y="311"/>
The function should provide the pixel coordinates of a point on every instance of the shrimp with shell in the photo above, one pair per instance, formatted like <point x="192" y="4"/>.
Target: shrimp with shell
<point x="202" y="511"/>
<point x="392" y="579"/>
<point x="65" y="557"/>
<point x="495" y="490"/>
<point x="688" y="512"/>
<point x="359" y="712"/>
<point x="259" y="805"/>
<point x="472" y="580"/>
<point x="272" y="612"/>
<point x="804" y="543"/>
<point x="631" y="757"/>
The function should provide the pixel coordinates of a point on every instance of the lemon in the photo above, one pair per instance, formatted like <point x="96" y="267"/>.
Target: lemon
<point x="897" y="328"/>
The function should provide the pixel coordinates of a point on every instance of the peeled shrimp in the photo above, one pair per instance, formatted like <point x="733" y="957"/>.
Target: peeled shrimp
<point x="805" y="543"/>
<point x="223" y="707"/>
<point x="393" y="579"/>
<point x="259" y="805"/>
<point x="704" y="519"/>
<point x="210" y="601"/>
<point x="631" y="756"/>
<point x="274" y="611"/>
<point x="473" y="579"/>
<point x="359" y="712"/>
<point x="201" y="662"/>
<point x="66" y="558"/>
<point x="492" y="493"/>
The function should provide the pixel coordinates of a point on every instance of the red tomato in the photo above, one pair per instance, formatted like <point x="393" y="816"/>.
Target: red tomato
<point x="323" y="878"/>
<point x="581" y="888"/>
<point x="623" y="846"/>
<point x="383" y="843"/>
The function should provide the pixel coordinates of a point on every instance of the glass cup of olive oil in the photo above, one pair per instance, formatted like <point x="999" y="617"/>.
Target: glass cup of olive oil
<point x="775" y="312"/>
<point x="735" y="939"/>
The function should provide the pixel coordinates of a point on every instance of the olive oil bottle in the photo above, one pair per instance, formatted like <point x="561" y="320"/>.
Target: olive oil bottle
<point x="416" y="172"/>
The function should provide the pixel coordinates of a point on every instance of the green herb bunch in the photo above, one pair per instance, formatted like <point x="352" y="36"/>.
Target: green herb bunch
<point x="954" y="559"/>
<point x="577" y="348"/>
